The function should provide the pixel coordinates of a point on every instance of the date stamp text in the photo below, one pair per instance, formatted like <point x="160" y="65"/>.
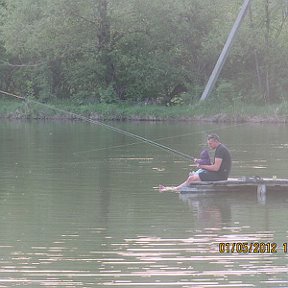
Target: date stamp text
<point x="252" y="247"/>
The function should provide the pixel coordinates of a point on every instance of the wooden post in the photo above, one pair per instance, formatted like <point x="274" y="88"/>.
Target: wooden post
<point x="261" y="193"/>
<point x="261" y="188"/>
<point x="224" y="54"/>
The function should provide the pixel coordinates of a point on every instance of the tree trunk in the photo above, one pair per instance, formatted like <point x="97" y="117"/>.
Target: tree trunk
<point x="267" y="46"/>
<point x="257" y="67"/>
<point x="104" y="25"/>
<point x="104" y="41"/>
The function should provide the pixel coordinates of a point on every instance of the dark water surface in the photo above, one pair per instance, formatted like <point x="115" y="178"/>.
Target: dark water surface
<point x="78" y="208"/>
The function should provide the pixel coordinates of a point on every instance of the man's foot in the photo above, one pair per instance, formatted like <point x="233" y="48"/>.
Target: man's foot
<point x="163" y="188"/>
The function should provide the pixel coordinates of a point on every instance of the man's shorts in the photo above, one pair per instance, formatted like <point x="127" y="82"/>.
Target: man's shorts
<point x="211" y="176"/>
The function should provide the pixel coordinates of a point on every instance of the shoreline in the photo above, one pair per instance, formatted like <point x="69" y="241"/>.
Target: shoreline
<point x="223" y="118"/>
<point x="199" y="112"/>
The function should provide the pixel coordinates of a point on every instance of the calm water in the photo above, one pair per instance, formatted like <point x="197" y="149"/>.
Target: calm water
<point x="78" y="208"/>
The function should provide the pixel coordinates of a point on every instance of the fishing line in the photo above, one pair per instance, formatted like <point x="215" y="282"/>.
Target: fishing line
<point x="97" y="122"/>
<point x="106" y="148"/>
<point x="120" y="131"/>
<point x="131" y="144"/>
<point x="158" y="139"/>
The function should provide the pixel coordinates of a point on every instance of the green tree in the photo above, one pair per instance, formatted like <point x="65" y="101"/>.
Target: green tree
<point x="135" y="50"/>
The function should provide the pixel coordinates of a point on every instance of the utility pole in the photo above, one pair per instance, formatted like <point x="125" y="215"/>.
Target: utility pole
<point x="226" y="49"/>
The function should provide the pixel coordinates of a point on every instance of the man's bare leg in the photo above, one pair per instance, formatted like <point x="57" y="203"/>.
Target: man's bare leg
<point x="192" y="178"/>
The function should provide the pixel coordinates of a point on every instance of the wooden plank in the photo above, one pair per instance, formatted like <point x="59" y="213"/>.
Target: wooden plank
<point x="247" y="183"/>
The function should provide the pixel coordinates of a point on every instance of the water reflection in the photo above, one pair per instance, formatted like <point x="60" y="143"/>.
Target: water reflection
<point x="196" y="261"/>
<point x="218" y="206"/>
<point x="208" y="212"/>
<point x="75" y="214"/>
<point x="183" y="263"/>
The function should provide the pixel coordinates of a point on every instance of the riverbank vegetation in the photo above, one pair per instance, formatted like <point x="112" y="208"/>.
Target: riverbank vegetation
<point x="209" y="110"/>
<point x="95" y="55"/>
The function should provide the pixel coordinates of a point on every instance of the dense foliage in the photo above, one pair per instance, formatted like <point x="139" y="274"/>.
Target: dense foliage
<point x="148" y="51"/>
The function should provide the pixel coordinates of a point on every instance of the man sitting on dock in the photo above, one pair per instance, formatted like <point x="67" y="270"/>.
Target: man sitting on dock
<point x="217" y="171"/>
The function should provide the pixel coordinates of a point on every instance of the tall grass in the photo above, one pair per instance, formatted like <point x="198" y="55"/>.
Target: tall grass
<point x="210" y="110"/>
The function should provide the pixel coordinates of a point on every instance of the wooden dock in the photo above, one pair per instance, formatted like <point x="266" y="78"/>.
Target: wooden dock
<point x="261" y="185"/>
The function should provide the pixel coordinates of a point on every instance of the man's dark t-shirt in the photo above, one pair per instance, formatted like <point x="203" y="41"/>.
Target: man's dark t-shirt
<point x="222" y="174"/>
<point x="223" y="153"/>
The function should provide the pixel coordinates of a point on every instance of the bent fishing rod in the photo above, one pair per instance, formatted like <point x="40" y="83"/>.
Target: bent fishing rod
<point x="100" y="123"/>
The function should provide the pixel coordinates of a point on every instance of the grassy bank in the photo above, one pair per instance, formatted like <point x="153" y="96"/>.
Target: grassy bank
<point x="205" y="111"/>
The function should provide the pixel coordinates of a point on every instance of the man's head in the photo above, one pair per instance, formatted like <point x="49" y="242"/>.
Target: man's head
<point x="213" y="141"/>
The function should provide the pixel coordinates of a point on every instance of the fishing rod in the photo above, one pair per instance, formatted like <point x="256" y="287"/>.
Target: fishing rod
<point x="100" y="123"/>
<point x="10" y="94"/>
